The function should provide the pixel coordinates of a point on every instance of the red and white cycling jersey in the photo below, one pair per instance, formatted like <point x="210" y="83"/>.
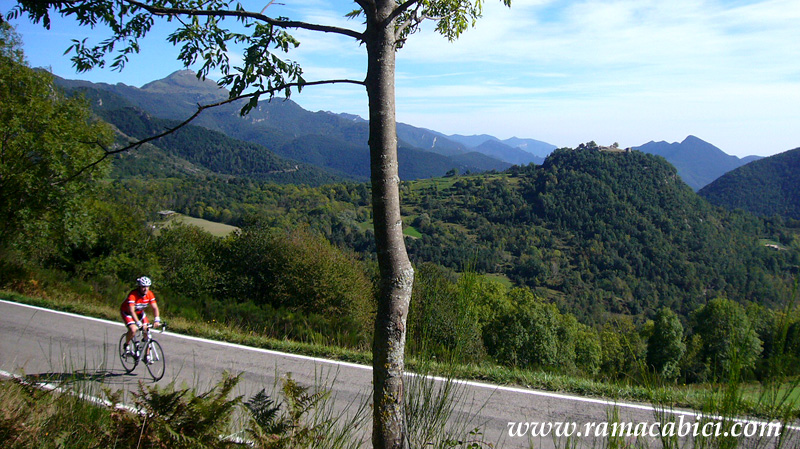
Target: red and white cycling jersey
<point x="138" y="301"/>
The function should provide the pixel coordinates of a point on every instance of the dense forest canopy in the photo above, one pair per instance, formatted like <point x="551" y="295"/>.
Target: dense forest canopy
<point x="605" y="232"/>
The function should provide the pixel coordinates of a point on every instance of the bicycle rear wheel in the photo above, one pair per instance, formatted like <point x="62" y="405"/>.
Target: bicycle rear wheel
<point x="155" y="360"/>
<point x="128" y="360"/>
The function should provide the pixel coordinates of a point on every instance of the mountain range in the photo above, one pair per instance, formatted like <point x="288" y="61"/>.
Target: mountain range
<point x="338" y="142"/>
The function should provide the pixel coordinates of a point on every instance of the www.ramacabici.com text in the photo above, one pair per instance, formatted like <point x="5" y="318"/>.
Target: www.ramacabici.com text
<point x="679" y="428"/>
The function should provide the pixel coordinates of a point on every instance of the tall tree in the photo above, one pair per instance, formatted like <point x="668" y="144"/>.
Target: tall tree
<point x="665" y="346"/>
<point x="46" y="140"/>
<point x="730" y="344"/>
<point x="387" y="24"/>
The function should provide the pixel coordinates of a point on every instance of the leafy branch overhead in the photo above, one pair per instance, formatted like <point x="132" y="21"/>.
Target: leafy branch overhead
<point x="265" y="69"/>
<point x="202" y="37"/>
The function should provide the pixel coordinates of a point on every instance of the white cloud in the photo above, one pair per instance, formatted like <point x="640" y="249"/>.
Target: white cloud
<point x="626" y="67"/>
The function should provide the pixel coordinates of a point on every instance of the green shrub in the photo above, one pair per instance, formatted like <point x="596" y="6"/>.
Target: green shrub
<point x="623" y="350"/>
<point x="178" y="419"/>
<point x="443" y="318"/>
<point x="299" y="271"/>
<point x="665" y="347"/>
<point x="728" y="339"/>
<point x="186" y="255"/>
<point x="296" y="269"/>
<point x="532" y="333"/>
<point x="588" y="351"/>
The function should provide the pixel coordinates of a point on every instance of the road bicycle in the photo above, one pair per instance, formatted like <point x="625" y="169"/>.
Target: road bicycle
<point x="143" y="349"/>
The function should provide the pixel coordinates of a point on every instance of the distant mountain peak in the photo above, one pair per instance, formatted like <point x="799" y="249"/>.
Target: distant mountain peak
<point x="535" y="147"/>
<point x="698" y="142"/>
<point x="186" y="81"/>
<point x="698" y="162"/>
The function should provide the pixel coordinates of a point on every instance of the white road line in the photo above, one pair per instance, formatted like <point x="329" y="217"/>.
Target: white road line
<point x="53" y="387"/>
<point x="96" y="400"/>
<point x="471" y="383"/>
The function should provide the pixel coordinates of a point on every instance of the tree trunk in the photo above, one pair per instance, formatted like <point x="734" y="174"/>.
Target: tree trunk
<point x="397" y="274"/>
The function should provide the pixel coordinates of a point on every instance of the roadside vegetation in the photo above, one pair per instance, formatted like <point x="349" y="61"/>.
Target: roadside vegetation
<point x="295" y="416"/>
<point x="168" y="417"/>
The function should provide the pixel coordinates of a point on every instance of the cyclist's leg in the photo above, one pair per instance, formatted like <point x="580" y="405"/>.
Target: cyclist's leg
<point x="145" y="322"/>
<point x="145" y="330"/>
<point x="130" y="323"/>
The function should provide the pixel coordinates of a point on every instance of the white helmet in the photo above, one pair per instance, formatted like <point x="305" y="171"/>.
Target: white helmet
<point x="144" y="281"/>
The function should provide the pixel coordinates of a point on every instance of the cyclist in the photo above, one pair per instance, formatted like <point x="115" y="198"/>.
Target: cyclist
<point x="132" y="309"/>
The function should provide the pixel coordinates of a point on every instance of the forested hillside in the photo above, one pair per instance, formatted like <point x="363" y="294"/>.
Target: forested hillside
<point x="600" y="232"/>
<point x="211" y="150"/>
<point x="767" y="187"/>
<point x="201" y="147"/>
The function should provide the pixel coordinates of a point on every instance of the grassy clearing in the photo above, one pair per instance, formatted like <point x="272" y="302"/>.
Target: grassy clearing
<point x="501" y="278"/>
<point x="213" y="228"/>
<point x="411" y="231"/>
<point x="438" y="184"/>
<point x="408" y="230"/>
<point x="441" y="184"/>
<point x="772" y="244"/>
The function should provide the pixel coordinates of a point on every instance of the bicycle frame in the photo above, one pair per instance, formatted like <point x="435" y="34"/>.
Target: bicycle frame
<point x="141" y="345"/>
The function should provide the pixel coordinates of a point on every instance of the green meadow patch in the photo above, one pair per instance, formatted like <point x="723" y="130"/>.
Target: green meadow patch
<point x="213" y="228"/>
<point x="411" y="231"/>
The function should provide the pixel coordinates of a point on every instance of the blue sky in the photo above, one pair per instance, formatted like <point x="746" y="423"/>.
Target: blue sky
<point x="626" y="71"/>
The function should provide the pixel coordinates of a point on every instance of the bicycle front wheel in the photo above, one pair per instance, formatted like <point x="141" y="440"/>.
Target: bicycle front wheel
<point x="128" y="360"/>
<point x="155" y="360"/>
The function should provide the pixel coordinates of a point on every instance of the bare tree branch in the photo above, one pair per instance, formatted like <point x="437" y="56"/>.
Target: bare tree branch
<point x="403" y="8"/>
<point x="414" y="20"/>
<point x="268" y="5"/>
<point x="200" y="109"/>
<point x="159" y="11"/>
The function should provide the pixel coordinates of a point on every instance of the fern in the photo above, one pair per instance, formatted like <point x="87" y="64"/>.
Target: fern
<point x="284" y="425"/>
<point x="265" y="413"/>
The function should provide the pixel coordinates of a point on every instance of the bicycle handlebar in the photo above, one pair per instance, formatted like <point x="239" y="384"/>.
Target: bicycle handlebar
<point x="149" y="326"/>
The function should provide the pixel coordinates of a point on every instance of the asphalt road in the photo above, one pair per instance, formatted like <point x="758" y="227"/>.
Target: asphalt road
<point x="44" y="344"/>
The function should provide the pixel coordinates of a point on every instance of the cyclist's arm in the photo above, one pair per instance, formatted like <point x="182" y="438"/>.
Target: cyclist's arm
<point x="154" y="305"/>
<point x="132" y="311"/>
